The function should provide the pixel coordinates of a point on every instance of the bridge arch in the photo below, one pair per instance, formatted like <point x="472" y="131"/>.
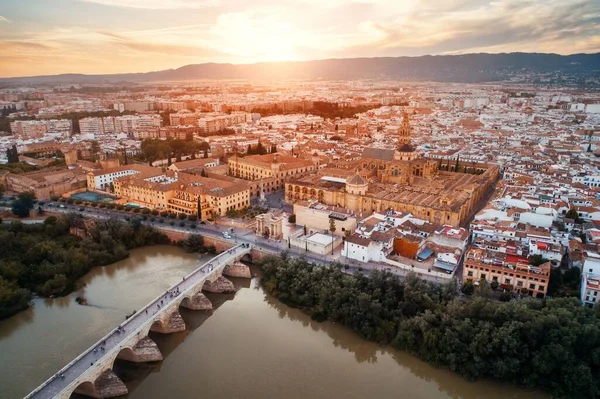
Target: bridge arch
<point x="87" y="388"/>
<point x="246" y="258"/>
<point x="106" y="384"/>
<point x="126" y="353"/>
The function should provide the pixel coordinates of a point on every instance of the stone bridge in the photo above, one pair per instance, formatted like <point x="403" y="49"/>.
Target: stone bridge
<point x="91" y="373"/>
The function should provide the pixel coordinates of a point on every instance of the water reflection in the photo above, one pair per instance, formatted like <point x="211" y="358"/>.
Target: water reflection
<point x="251" y="345"/>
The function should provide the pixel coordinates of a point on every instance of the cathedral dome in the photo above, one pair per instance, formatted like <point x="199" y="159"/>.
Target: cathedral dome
<point x="406" y="148"/>
<point x="357" y="180"/>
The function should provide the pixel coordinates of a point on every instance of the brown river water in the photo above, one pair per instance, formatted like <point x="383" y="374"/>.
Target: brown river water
<point x="250" y="346"/>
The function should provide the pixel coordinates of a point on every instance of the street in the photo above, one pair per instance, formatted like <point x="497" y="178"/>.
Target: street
<point x="238" y="236"/>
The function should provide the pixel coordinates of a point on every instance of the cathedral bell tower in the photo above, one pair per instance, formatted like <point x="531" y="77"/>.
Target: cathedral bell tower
<point x="404" y="131"/>
<point x="405" y="151"/>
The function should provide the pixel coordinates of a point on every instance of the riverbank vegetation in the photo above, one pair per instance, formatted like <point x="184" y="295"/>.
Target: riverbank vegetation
<point x="47" y="260"/>
<point x="195" y="243"/>
<point x="552" y="345"/>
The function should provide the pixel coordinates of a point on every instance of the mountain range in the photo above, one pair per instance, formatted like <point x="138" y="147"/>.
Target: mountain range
<point x="467" y="68"/>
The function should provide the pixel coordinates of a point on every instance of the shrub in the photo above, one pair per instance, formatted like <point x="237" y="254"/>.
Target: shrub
<point x="182" y="224"/>
<point x="172" y="215"/>
<point x="70" y="201"/>
<point x="192" y="218"/>
<point x="78" y="202"/>
<point x="164" y="214"/>
<point x="154" y="212"/>
<point x="468" y="288"/>
<point x="145" y="211"/>
<point x="172" y="223"/>
<point x="211" y="249"/>
<point x="136" y="210"/>
<point x="494" y="285"/>
<point x="182" y="216"/>
<point x="101" y="206"/>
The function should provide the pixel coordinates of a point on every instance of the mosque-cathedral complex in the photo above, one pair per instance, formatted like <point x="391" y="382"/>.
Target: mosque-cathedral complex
<point x="401" y="180"/>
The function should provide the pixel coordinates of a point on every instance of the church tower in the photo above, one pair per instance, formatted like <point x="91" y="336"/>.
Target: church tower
<point x="404" y="131"/>
<point x="405" y="151"/>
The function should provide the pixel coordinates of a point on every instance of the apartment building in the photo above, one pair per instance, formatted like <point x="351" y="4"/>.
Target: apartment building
<point x="130" y="124"/>
<point x="510" y="271"/>
<point x="213" y="123"/>
<point x="38" y="128"/>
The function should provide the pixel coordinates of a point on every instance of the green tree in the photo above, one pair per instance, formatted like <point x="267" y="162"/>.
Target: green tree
<point x="194" y="243"/>
<point x="572" y="214"/>
<point x="292" y="218"/>
<point x="468" y="288"/>
<point x="23" y="205"/>
<point x="536" y="260"/>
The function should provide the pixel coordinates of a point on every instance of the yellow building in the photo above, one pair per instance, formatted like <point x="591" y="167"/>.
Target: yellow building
<point x="183" y="193"/>
<point x="272" y="170"/>
<point x="509" y="271"/>
<point x="316" y="218"/>
<point x="397" y="179"/>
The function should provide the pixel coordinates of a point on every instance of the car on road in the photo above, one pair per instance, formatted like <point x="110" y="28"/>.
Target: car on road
<point x="61" y="206"/>
<point x="226" y="235"/>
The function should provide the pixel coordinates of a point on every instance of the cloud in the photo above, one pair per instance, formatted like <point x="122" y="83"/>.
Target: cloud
<point x="162" y="48"/>
<point x="468" y="26"/>
<point x="155" y="4"/>
<point x="143" y="35"/>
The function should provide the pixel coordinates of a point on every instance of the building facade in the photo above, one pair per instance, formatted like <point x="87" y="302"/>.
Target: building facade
<point x="510" y="271"/>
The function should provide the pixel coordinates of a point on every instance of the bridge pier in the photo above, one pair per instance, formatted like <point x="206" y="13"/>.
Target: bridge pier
<point x="170" y="324"/>
<point x="145" y="350"/>
<point x="237" y="269"/>
<point x="198" y="301"/>
<point x="220" y="286"/>
<point x="107" y="385"/>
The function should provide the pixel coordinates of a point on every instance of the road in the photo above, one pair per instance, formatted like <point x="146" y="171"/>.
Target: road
<point x="111" y="343"/>
<point x="238" y="236"/>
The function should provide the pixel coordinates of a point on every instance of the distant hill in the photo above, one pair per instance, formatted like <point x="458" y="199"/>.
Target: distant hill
<point x="468" y="68"/>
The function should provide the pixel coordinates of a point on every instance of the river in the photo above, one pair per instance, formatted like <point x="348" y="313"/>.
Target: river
<point x="250" y="346"/>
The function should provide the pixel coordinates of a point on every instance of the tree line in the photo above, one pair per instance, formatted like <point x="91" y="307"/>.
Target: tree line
<point x="155" y="149"/>
<point x="553" y="345"/>
<point x="47" y="260"/>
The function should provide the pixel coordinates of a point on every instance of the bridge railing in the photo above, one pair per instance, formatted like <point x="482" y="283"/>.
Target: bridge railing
<point x="222" y="255"/>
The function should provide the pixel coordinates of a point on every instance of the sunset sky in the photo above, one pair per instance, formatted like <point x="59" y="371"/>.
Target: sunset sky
<point x="40" y="37"/>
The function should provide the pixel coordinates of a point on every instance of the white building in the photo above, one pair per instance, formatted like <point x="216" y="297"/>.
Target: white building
<point x="358" y="248"/>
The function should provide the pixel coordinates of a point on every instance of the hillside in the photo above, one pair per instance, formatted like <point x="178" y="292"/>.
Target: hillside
<point x="526" y="67"/>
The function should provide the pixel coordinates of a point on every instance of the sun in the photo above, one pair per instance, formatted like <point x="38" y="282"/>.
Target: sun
<point x="257" y="40"/>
